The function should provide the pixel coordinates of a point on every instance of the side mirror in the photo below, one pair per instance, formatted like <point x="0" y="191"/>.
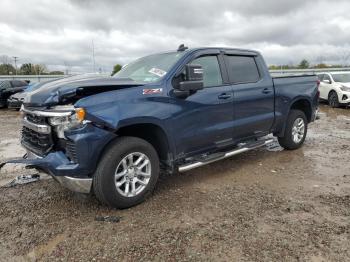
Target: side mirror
<point x="326" y="81"/>
<point x="193" y="80"/>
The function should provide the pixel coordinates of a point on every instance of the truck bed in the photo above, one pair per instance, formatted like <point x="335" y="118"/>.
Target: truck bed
<point x="298" y="82"/>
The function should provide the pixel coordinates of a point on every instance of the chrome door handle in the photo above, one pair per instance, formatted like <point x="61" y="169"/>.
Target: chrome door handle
<point x="266" y="91"/>
<point x="224" y="96"/>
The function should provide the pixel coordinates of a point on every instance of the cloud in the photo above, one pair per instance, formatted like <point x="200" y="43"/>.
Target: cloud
<point x="60" y="33"/>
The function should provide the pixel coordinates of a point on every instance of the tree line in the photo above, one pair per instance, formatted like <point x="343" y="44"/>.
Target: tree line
<point x="7" y="68"/>
<point x="304" y="64"/>
<point x="37" y="69"/>
<point x="27" y="69"/>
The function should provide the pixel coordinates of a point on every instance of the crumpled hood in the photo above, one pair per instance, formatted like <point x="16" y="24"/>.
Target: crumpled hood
<point x="70" y="89"/>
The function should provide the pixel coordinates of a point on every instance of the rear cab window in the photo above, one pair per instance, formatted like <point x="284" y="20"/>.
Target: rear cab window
<point x="242" y="69"/>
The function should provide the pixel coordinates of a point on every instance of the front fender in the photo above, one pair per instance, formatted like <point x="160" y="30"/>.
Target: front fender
<point x="121" y="108"/>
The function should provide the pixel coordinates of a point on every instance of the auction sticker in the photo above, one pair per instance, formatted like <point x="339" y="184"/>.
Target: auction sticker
<point x="157" y="72"/>
<point x="151" y="91"/>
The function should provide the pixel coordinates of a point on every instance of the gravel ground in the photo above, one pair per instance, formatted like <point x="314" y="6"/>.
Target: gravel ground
<point x="264" y="205"/>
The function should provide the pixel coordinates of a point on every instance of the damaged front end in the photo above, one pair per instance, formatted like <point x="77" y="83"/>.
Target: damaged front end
<point x="63" y="144"/>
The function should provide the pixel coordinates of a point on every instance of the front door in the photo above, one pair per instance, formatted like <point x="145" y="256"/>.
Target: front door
<point x="204" y="121"/>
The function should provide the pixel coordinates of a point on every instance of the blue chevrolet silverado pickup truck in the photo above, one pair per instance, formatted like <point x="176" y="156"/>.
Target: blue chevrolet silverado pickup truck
<point x="168" y="112"/>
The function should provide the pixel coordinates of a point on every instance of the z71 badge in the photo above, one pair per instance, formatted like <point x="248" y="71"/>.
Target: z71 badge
<point x="152" y="91"/>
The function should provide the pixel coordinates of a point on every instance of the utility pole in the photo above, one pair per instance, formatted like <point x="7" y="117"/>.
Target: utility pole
<point x="15" y="58"/>
<point x="66" y="68"/>
<point x="93" y="56"/>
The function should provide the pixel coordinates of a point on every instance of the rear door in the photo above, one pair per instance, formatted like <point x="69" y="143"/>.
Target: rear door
<point x="253" y="96"/>
<point x="205" y="121"/>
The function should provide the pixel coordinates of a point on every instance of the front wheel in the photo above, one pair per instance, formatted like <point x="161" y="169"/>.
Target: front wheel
<point x="127" y="173"/>
<point x="296" y="130"/>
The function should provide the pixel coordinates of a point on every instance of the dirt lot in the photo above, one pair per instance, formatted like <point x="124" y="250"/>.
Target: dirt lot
<point x="264" y="205"/>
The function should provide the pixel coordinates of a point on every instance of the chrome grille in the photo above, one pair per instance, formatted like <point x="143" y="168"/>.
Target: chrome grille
<point x="37" y="142"/>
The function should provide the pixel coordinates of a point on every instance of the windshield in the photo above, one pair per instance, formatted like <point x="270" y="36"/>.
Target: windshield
<point x="151" y="68"/>
<point x="342" y="78"/>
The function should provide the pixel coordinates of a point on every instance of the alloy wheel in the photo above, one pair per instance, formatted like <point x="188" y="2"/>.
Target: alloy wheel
<point x="132" y="174"/>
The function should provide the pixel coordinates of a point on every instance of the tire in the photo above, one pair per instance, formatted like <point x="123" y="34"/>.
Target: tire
<point x="289" y="141"/>
<point x="333" y="100"/>
<point x="115" y="167"/>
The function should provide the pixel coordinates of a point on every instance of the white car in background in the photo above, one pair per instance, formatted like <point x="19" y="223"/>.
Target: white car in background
<point x="335" y="88"/>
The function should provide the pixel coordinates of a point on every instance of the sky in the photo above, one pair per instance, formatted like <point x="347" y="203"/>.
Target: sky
<point x="61" y="34"/>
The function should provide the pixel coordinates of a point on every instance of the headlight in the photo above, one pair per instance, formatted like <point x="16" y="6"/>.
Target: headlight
<point x="345" y="88"/>
<point x="63" y="123"/>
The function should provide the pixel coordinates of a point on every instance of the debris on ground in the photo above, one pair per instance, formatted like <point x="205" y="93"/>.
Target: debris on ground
<point x="112" y="219"/>
<point x="23" y="179"/>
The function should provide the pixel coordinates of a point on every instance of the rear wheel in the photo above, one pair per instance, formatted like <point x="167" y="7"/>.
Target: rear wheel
<point x="333" y="100"/>
<point x="296" y="130"/>
<point x="127" y="173"/>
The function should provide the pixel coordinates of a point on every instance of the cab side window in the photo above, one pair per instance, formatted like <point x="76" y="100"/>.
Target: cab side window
<point x="242" y="69"/>
<point x="211" y="70"/>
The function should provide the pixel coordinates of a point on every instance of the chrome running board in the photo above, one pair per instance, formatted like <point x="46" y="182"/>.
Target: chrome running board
<point x="244" y="148"/>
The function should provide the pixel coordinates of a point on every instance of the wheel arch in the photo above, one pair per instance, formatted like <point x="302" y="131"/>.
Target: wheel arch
<point x="330" y="91"/>
<point x="303" y="105"/>
<point x="153" y="134"/>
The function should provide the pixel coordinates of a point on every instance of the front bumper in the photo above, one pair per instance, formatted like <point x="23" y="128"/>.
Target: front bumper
<point x="79" y="185"/>
<point x="75" y="184"/>
<point x="344" y="98"/>
<point x="58" y="164"/>
<point x="76" y="174"/>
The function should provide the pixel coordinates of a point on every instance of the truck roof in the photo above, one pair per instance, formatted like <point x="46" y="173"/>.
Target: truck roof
<point x="224" y="49"/>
